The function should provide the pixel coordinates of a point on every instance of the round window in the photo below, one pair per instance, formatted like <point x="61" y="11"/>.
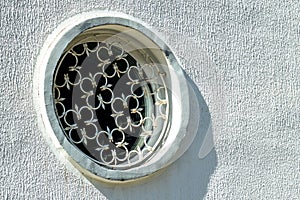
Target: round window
<point x="112" y="97"/>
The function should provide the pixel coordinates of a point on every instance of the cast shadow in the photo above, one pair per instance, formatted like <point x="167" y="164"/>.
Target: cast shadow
<point x="186" y="178"/>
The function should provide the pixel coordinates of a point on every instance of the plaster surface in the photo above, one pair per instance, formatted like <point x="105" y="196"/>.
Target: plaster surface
<point x="245" y="63"/>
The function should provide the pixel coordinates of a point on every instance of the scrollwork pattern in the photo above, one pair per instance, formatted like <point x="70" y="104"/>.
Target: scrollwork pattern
<point x="110" y="106"/>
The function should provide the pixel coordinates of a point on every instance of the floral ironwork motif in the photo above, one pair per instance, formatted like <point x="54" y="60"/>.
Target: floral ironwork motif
<point x="112" y="108"/>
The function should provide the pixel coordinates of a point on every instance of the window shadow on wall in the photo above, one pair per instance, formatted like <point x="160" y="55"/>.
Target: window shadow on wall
<point x="186" y="178"/>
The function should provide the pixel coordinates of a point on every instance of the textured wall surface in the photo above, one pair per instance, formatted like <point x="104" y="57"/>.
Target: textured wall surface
<point x="252" y="91"/>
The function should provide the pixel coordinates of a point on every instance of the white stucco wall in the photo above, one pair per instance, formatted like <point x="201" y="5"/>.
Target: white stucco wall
<point x="250" y="90"/>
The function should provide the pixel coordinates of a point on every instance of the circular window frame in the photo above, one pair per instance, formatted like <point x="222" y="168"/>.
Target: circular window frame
<point x="50" y="54"/>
